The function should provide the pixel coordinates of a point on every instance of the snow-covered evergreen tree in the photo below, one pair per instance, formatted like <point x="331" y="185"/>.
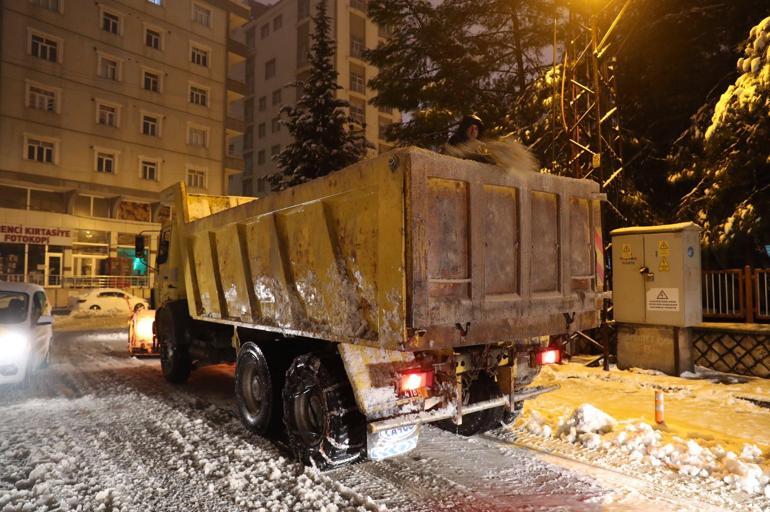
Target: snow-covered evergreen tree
<point x="322" y="142"/>
<point x="731" y="167"/>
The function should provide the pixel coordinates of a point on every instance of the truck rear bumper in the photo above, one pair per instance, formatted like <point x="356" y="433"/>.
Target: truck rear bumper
<point x="445" y="413"/>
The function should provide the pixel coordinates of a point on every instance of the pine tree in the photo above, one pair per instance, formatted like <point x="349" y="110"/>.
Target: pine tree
<point x="730" y="156"/>
<point x="321" y="142"/>
<point x="445" y="59"/>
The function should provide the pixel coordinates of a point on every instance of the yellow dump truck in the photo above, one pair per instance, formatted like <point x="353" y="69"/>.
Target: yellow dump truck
<point x="406" y="289"/>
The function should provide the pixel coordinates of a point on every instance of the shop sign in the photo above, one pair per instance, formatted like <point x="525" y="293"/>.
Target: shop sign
<point x="18" y="234"/>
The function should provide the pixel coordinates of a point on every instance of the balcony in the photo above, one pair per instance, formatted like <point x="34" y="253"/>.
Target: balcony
<point x="234" y="125"/>
<point x="234" y="163"/>
<point x="238" y="48"/>
<point x="237" y="87"/>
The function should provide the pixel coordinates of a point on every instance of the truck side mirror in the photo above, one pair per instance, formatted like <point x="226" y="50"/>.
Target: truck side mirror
<point x="139" y="246"/>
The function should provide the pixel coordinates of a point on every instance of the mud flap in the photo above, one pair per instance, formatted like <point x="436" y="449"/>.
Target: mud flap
<point x="392" y="442"/>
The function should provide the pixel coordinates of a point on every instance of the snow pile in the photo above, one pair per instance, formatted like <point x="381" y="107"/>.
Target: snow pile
<point x="641" y="443"/>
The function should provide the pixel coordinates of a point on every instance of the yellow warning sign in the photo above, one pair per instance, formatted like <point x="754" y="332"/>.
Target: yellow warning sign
<point x="663" y="265"/>
<point x="626" y="251"/>
<point x="663" y="248"/>
<point x="626" y="255"/>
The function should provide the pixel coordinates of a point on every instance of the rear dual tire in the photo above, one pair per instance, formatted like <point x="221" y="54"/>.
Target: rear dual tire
<point x="254" y="389"/>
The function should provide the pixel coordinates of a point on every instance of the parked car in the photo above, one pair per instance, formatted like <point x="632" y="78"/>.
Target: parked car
<point x="25" y="331"/>
<point x="108" y="300"/>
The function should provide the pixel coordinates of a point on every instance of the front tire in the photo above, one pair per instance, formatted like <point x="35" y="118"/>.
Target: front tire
<point x="254" y="389"/>
<point x="322" y="421"/>
<point x="171" y="329"/>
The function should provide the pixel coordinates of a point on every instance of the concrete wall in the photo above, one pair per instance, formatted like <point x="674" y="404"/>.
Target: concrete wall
<point x="667" y="349"/>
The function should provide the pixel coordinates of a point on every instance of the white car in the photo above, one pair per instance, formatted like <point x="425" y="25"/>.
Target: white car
<point x="26" y="329"/>
<point x="111" y="300"/>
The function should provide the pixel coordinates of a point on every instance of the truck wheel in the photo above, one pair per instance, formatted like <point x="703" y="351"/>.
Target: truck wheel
<point x="170" y="326"/>
<point x="479" y="389"/>
<point x="323" y="424"/>
<point x="253" y="389"/>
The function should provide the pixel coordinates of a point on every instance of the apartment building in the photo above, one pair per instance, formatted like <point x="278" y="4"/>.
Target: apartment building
<point x="104" y="104"/>
<point x="280" y="36"/>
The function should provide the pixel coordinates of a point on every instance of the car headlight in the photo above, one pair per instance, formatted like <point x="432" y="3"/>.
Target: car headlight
<point x="144" y="327"/>
<point x="13" y="345"/>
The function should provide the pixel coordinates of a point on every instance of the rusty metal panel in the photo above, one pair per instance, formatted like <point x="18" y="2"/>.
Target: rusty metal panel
<point x="581" y="246"/>
<point x="545" y="242"/>
<point x="230" y="263"/>
<point x="501" y="245"/>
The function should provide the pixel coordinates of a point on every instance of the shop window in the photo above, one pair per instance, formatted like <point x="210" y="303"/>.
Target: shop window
<point x="12" y="262"/>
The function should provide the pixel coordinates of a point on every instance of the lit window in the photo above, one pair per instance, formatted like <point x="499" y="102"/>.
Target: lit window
<point x="105" y="162"/>
<point x="269" y="69"/>
<point x="40" y="151"/>
<point x="51" y="5"/>
<point x="196" y="178"/>
<point x="199" y="96"/>
<point x="109" y="68"/>
<point x="107" y="115"/>
<point x="156" y="2"/>
<point x="277" y="97"/>
<point x="149" y="170"/>
<point x="110" y="23"/>
<point x="41" y="99"/>
<point x="151" y="81"/>
<point x="198" y="137"/>
<point x="199" y="56"/>
<point x="44" y="48"/>
<point x="152" y="38"/>
<point x="150" y="125"/>
<point x="201" y="15"/>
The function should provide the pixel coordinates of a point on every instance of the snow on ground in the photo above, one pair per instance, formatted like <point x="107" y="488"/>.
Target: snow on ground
<point x="713" y="436"/>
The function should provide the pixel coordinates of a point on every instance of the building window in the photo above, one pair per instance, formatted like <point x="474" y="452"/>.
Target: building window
<point x="277" y="22"/>
<point x="156" y="2"/>
<point x="251" y="38"/>
<point x="105" y="162"/>
<point x="303" y="44"/>
<point x="201" y="15"/>
<point x="150" y="125"/>
<point x="261" y="130"/>
<point x="358" y="112"/>
<point x="269" y="69"/>
<point x="357" y="79"/>
<point x="109" y="68"/>
<point x="51" y="5"/>
<point x="152" y="38"/>
<point x="261" y="157"/>
<point x="107" y="115"/>
<point x="110" y="22"/>
<point x="199" y="56"/>
<point x="40" y="150"/>
<point x="358" y="4"/>
<point x="383" y="128"/>
<point x="42" y="98"/>
<point x="357" y="47"/>
<point x="248" y="110"/>
<point x="277" y="97"/>
<point x="44" y="48"/>
<point x="264" y="31"/>
<point x="248" y="138"/>
<point x="275" y="150"/>
<point x="275" y="125"/>
<point x="198" y="136"/>
<point x="303" y="9"/>
<point x="263" y="103"/>
<point x="196" y="178"/>
<point x="148" y="170"/>
<point x="199" y="96"/>
<point x="151" y="81"/>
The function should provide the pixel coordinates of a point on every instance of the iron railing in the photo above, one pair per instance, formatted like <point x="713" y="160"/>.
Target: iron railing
<point x="723" y="294"/>
<point x="79" y="281"/>
<point x="762" y="294"/>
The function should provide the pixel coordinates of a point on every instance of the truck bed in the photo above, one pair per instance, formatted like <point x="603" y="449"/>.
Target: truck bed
<point x="407" y="251"/>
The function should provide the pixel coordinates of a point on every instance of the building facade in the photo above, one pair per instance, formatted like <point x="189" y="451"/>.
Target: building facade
<point x="280" y="37"/>
<point x="103" y="105"/>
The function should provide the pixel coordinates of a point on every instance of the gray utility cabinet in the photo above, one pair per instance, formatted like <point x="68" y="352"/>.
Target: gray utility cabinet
<point x="656" y="275"/>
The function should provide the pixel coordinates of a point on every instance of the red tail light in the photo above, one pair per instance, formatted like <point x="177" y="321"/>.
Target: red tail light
<point x="414" y="380"/>
<point x="548" y="356"/>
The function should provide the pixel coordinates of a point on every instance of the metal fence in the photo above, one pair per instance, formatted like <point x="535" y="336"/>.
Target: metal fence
<point x="742" y="295"/>
<point x="79" y="282"/>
